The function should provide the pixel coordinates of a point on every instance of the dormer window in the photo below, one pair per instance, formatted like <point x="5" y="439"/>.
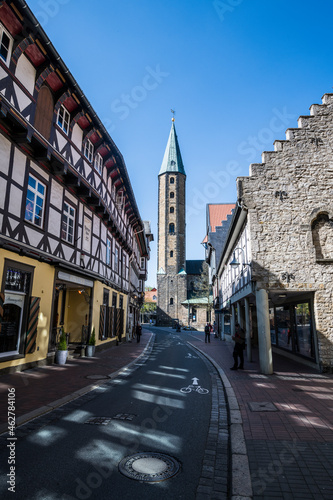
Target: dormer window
<point x="89" y="150"/>
<point x="6" y="43"/>
<point x="63" y="119"/>
<point x="98" y="162"/>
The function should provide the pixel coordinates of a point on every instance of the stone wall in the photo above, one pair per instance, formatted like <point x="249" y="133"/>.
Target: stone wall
<point x="290" y="216"/>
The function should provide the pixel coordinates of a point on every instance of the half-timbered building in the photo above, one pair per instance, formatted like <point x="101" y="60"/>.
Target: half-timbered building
<point x="71" y="236"/>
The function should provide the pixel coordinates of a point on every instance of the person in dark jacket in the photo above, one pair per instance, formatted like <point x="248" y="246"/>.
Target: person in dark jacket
<point x="138" y="332"/>
<point x="207" y="333"/>
<point x="239" y="347"/>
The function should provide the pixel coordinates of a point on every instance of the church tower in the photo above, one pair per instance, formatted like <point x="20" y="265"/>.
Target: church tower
<point x="171" y="252"/>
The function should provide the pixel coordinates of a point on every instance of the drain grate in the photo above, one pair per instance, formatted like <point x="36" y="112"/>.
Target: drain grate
<point x="98" y="420"/>
<point x="124" y="416"/>
<point x="149" y="467"/>
<point x="264" y="406"/>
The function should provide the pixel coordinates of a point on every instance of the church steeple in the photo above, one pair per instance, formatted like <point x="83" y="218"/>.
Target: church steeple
<point x="172" y="160"/>
<point x="171" y="264"/>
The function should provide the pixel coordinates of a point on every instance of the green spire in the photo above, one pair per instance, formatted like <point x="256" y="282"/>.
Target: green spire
<point x="172" y="161"/>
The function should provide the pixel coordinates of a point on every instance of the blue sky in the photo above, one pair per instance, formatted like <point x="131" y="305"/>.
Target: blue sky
<point x="237" y="72"/>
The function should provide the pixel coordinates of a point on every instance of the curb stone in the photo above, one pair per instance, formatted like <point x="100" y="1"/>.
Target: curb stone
<point x="240" y="469"/>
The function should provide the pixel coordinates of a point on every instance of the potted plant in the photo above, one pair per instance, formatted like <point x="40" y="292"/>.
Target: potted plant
<point x="62" y="350"/>
<point x="90" y="349"/>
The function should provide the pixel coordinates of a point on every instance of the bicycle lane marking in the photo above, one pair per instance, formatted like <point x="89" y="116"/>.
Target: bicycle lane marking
<point x="195" y="387"/>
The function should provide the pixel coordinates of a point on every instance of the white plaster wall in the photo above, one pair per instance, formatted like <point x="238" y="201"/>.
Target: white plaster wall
<point x="15" y="201"/>
<point x="4" y="154"/>
<point x="19" y="165"/>
<point x="26" y="73"/>
<point x="54" y="222"/>
<point x="56" y="195"/>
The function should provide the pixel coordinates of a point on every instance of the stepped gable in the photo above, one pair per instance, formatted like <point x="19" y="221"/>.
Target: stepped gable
<point x="286" y="193"/>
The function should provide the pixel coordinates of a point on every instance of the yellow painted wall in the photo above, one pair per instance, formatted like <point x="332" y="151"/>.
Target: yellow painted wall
<point x="42" y="287"/>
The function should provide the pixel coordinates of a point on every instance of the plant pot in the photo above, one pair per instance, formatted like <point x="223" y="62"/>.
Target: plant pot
<point x="61" y="357"/>
<point x="90" y="351"/>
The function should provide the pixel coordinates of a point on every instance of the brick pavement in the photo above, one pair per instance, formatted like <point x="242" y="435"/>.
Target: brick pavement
<point x="290" y="448"/>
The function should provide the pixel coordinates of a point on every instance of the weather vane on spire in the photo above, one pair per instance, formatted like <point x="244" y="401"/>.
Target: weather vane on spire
<point x="173" y="114"/>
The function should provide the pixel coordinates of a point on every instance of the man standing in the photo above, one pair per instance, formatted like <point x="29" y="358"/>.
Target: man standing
<point x="239" y="339"/>
<point x="138" y="332"/>
<point x="207" y="333"/>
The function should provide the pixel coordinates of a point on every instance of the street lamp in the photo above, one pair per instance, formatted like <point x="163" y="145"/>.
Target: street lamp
<point x="235" y="262"/>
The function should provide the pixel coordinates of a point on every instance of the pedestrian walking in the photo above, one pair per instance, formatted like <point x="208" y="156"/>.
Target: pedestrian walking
<point x="239" y="347"/>
<point x="138" y="332"/>
<point x="207" y="333"/>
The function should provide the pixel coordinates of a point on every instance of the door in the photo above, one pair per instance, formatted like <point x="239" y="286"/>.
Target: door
<point x="10" y="333"/>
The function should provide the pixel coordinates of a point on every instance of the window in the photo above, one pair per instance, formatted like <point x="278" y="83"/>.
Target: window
<point x="172" y="209"/>
<point x="171" y="253"/>
<point x="6" y="43"/>
<point x="108" y="252"/>
<point x="98" y="162"/>
<point x="34" y="206"/>
<point x="68" y="223"/>
<point x="116" y="259"/>
<point x="171" y="301"/>
<point x="172" y="195"/>
<point x="142" y="263"/>
<point x="171" y="228"/>
<point x="63" y="119"/>
<point x="89" y="150"/>
<point x="172" y="180"/>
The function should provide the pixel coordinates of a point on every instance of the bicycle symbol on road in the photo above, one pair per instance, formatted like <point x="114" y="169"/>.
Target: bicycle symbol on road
<point x="195" y="387"/>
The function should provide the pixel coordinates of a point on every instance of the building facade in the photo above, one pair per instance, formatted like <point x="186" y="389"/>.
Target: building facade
<point x="71" y="235"/>
<point x="175" y="275"/>
<point x="275" y="270"/>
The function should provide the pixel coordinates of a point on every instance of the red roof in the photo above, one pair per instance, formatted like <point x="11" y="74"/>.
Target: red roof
<point x="218" y="213"/>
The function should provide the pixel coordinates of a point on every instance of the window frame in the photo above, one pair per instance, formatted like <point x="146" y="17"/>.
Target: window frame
<point x="10" y="44"/>
<point x="63" y="122"/>
<point x="98" y="163"/>
<point x="65" y="233"/>
<point x="36" y="194"/>
<point x="89" y="150"/>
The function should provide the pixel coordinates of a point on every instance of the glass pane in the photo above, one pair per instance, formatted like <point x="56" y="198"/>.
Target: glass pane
<point x="304" y="343"/>
<point x="3" y="52"/>
<point x="41" y="188"/>
<point x="5" y="41"/>
<point x="272" y="325"/>
<point x="32" y="182"/>
<point x="282" y="316"/>
<point x="29" y="210"/>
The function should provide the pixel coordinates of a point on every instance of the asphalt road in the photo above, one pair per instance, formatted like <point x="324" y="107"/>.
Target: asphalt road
<point x="162" y="405"/>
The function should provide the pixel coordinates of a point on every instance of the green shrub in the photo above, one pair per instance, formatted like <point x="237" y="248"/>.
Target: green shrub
<point x="92" y="339"/>
<point x="62" y="346"/>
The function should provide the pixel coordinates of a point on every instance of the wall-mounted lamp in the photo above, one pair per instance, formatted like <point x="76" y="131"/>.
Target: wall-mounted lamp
<point x="235" y="262"/>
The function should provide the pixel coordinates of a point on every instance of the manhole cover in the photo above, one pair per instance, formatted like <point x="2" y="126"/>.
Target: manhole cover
<point x="124" y="416"/>
<point x="264" y="406"/>
<point x="98" y="420"/>
<point x="97" y="377"/>
<point x="149" y="467"/>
